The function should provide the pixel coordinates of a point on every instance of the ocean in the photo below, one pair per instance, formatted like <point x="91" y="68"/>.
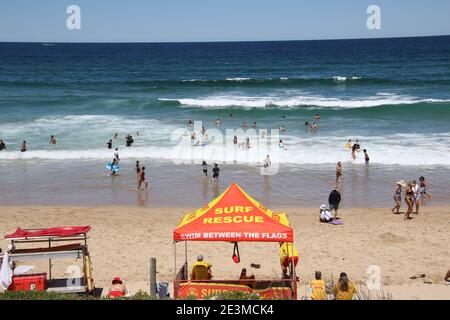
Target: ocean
<point x="391" y="94"/>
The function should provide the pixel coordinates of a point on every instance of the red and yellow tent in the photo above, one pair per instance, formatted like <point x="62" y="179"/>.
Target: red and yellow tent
<point x="234" y="216"/>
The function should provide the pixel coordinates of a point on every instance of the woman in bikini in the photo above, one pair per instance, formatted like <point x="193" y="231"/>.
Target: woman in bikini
<point x="398" y="196"/>
<point x="409" y="198"/>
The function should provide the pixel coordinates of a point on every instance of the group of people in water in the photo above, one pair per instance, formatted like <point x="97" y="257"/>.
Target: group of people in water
<point x="414" y="195"/>
<point x="24" y="145"/>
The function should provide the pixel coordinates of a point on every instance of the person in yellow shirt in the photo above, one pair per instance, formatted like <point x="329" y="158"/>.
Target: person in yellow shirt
<point x="287" y="252"/>
<point x="201" y="270"/>
<point x="344" y="289"/>
<point x="318" y="287"/>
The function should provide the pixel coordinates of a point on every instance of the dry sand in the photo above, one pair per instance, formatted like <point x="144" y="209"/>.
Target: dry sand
<point x="124" y="238"/>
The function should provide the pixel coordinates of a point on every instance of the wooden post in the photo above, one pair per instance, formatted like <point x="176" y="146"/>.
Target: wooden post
<point x="153" y="277"/>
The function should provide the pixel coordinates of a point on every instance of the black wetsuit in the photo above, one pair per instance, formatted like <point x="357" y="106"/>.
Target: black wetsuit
<point x="109" y="144"/>
<point x="2" y="146"/>
<point x="216" y="171"/>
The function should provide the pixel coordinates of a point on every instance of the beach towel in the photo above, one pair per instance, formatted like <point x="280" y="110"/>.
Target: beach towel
<point x="337" y="222"/>
<point x="5" y="273"/>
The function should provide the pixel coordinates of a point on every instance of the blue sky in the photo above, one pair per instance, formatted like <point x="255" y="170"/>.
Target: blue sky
<point x="218" y="20"/>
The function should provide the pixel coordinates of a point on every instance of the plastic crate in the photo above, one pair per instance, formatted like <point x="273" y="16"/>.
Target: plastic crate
<point x="29" y="282"/>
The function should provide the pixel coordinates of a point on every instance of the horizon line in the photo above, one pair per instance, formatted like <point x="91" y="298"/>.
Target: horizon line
<point x="224" y="41"/>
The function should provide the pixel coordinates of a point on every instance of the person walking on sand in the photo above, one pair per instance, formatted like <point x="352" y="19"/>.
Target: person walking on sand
<point x="205" y="168"/>
<point x="409" y="199"/>
<point x="344" y="289"/>
<point x="398" y="196"/>
<point x="142" y="179"/>
<point x="23" y="146"/>
<point x="333" y="200"/>
<point x="339" y="172"/>
<point x="216" y="171"/>
<point x="423" y="188"/>
<point x="52" y="140"/>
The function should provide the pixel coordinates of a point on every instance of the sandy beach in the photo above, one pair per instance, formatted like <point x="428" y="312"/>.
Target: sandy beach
<point x="124" y="238"/>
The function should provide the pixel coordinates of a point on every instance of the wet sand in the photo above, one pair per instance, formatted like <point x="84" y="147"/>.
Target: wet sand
<point x="87" y="183"/>
<point x="123" y="239"/>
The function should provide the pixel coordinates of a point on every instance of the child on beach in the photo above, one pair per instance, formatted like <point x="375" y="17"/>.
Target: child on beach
<point x="366" y="156"/>
<point x="142" y="179"/>
<point x="398" y="196"/>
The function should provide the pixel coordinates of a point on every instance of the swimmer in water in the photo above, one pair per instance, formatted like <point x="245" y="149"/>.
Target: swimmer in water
<point x="23" y="146"/>
<point x="282" y="129"/>
<point x="190" y="123"/>
<point x="254" y="125"/>
<point x="116" y="136"/>
<point x="244" y="125"/>
<point x="366" y="156"/>
<point x="52" y="140"/>
<point x="205" y="168"/>
<point x="109" y="144"/>
<point x="235" y="140"/>
<point x="218" y="122"/>
<point x="113" y="164"/>
<point x="267" y="162"/>
<point x="348" y="145"/>
<point x="280" y="144"/>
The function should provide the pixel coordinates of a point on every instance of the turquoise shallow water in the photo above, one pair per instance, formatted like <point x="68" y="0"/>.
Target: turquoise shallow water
<point x="391" y="94"/>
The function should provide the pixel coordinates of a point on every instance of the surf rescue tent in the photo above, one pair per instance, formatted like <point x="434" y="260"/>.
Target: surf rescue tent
<point x="235" y="217"/>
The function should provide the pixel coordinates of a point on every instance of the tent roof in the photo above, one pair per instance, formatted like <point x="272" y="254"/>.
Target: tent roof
<point x="234" y="216"/>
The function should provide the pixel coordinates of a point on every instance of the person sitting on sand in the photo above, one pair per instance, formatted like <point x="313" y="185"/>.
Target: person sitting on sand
<point x="398" y="196"/>
<point x="23" y="146"/>
<point x="117" y="289"/>
<point x="52" y="140"/>
<point x="447" y="277"/>
<point x="325" y="215"/>
<point x="318" y="287"/>
<point x="287" y="251"/>
<point x="201" y="270"/>
<point x="247" y="280"/>
<point x="344" y="289"/>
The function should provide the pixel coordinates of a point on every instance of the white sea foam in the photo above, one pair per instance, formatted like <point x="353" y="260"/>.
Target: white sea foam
<point x="398" y="149"/>
<point x="341" y="78"/>
<point x="249" y="102"/>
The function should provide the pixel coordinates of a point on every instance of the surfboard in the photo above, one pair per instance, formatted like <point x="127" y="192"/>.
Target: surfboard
<point x="114" y="168"/>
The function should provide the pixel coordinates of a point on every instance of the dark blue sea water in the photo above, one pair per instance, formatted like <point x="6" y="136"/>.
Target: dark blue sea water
<point x="391" y="94"/>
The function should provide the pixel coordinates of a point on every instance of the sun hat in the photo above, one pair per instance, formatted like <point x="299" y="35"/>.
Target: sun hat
<point x="401" y="183"/>
<point x="323" y="207"/>
<point x="117" y="280"/>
